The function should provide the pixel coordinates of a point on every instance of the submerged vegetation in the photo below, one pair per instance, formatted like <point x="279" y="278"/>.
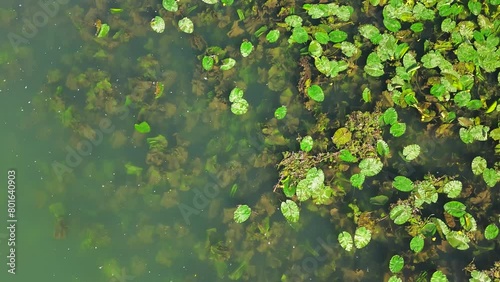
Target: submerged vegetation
<point x="378" y="123"/>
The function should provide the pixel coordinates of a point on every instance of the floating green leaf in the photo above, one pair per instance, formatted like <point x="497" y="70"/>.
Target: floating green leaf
<point x="392" y="24"/>
<point x="458" y="240"/>
<point x="383" y="148"/>
<point x="357" y="180"/>
<point x="341" y="136"/>
<point x="490" y="176"/>
<point x="315" y="48"/>
<point x="455" y="208"/>
<point x="347" y="156"/>
<point x="468" y="222"/>
<point x="290" y="210"/>
<point x="207" y="62"/>
<point x="400" y="214"/>
<point x="170" y="5"/>
<point x="321" y="37"/>
<point x="273" y="35"/>
<point x="306" y="144"/>
<point x="158" y="24"/>
<point x="402" y="183"/>
<point x="390" y="116"/>
<point x="453" y="188"/>
<point x="345" y="240"/>
<point x="280" y="112"/>
<point x="239" y="106"/>
<point x="235" y="94"/>
<point x="370" y="166"/>
<point x="478" y="165"/>
<point x="411" y="152"/>
<point x="398" y="129"/>
<point x="337" y="36"/>
<point x="227" y="64"/>
<point x="316" y="93"/>
<point x="143" y="127"/>
<point x="242" y="213"/>
<point x="362" y="237"/>
<point x="439" y="276"/>
<point x="293" y="20"/>
<point x="246" y="48"/>
<point x="396" y="263"/>
<point x="491" y="231"/>
<point x="186" y="25"/>
<point x="417" y="244"/>
<point x="299" y="35"/>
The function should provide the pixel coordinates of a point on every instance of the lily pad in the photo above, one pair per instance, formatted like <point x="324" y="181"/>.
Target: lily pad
<point x="242" y="213"/>
<point x="158" y="24"/>
<point x="186" y="25"/>
<point x="316" y="93"/>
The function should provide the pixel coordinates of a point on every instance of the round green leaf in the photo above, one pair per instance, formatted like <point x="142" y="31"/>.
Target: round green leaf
<point x="417" y="27"/>
<point x="235" y="94"/>
<point x="316" y="93"/>
<point x="448" y="25"/>
<point x="438" y="276"/>
<point x="322" y="37"/>
<point x="239" y="107"/>
<point x="186" y="25"/>
<point x="370" y="166"/>
<point x="394" y="278"/>
<point x="347" y="156"/>
<point x="170" y="5"/>
<point x="158" y="24"/>
<point x="411" y="152"/>
<point x="400" y="214"/>
<point x="337" y="36"/>
<point x="293" y="20"/>
<point x="392" y="24"/>
<point x="453" y="188"/>
<point x="290" y="210"/>
<point x="383" y="148"/>
<point x="306" y="144"/>
<point x="362" y="237"/>
<point x="341" y="136"/>
<point x="242" y="213"/>
<point x="246" y="48"/>
<point x="143" y="127"/>
<point x="455" y="208"/>
<point x="357" y="180"/>
<point x="458" y="240"/>
<point x="207" y="62"/>
<point x="402" y="183"/>
<point x="468" y="222"/>
<point x="345" y="240"/>
<point x="227" y="64"/>
<point x="417" y="244"/>
<point x="315" y="48"/>
<point x="396" y="263"/>
<point x="398" y="129"/>
<point x="490" y="176"/>
<point x="273" y="35"/>
<point x="299" y="35"/>
<point x="280" y="112"/>
<point x="491" y="231"/>
<point x="390" y="116"/>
